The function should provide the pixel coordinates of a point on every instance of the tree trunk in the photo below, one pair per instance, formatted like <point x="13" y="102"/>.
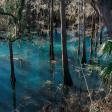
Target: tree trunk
<point x="12" y="76"/>
<point x="79" y="46"/>
<point x="84" y="41"/>
<point x="92" y="36"/>
<point x="28" y="19"/>
<point x="101" y="34"/>
<point x="51" y="32"/>
<point x="79" y="29"/>
<point x="20" y="17"/>
<point x="97" y="36"/>
<point x="67" y="77"/>
<point x="96" y="42"/>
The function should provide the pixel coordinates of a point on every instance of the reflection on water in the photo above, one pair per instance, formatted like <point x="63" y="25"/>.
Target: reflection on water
<point x="38" y="82"/>
<point x="14" y="96"/>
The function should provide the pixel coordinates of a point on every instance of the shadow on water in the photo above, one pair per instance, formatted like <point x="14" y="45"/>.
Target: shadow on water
<point x="52" y="71"/>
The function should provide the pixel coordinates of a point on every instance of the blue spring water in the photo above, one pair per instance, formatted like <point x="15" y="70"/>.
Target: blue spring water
<point x="33" y="70"/>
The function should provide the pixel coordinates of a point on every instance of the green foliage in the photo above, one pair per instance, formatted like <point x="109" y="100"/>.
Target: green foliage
<point x="12" y="6"/>
<point x="105" y="67"/>
<point x="108" y="47"/>
<point x="93" y="67"/>
<point x="106" y="73"/>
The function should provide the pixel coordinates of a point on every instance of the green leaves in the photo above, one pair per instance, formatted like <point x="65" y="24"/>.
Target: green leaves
<point x="106" y="48"/>
<point x="12" y="6"/>
<point x="106" y="73"/>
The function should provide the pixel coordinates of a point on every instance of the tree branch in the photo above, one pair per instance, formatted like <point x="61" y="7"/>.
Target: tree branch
<point x="8" y="14"/>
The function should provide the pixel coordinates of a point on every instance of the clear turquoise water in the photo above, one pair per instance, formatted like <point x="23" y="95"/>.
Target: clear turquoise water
<point x="34" y="74"/>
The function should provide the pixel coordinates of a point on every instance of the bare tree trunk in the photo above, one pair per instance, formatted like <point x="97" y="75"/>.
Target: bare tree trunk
<point x="84" y="41"/>
<point x="79" y="46"/>
<point x="12" y="76"/>
<point x="92" y="36"/>
<point x="96" y="41"/>
<point x="79" y="28"/>
<point x="101" y="35"/>
<point x="67" y="77"/>
<point x="51" y="32"/>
